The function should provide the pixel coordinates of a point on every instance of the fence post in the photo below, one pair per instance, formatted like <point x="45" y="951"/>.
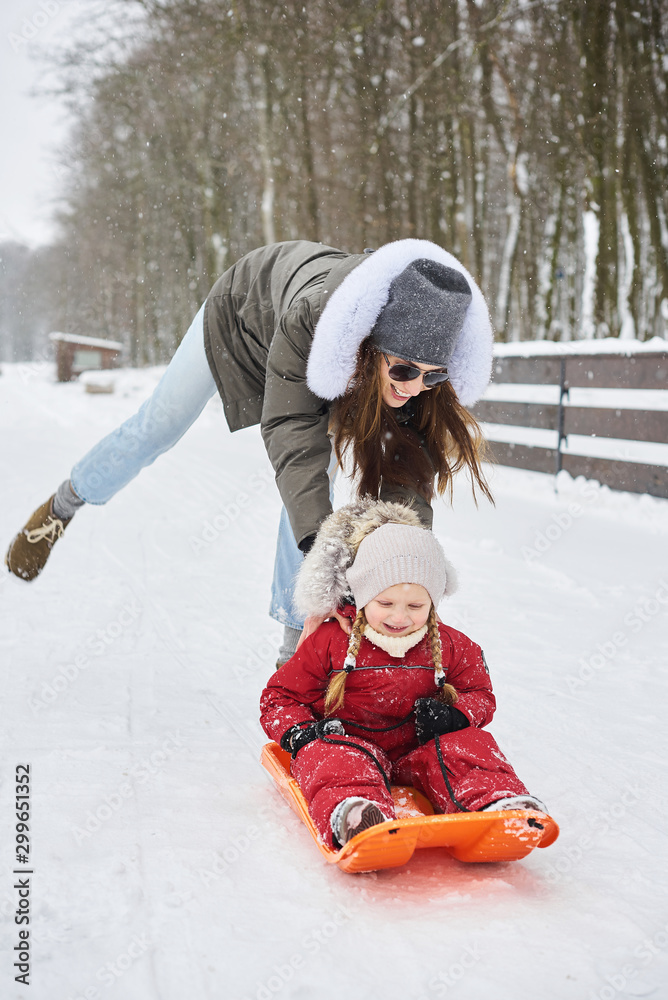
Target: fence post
<point x="563" y="391"/>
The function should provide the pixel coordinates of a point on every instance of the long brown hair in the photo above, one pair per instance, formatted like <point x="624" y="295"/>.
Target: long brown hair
<point x="387" y="453"/>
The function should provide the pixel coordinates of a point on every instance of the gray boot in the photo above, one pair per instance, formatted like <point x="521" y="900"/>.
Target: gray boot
<point x="352" y="816"/>
<point x="516" y="802"/>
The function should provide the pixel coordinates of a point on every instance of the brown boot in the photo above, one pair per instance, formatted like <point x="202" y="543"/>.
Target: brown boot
<point x="26" y="556"/>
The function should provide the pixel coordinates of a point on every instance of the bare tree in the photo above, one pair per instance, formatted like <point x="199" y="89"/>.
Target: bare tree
<point x="529" y="138"/>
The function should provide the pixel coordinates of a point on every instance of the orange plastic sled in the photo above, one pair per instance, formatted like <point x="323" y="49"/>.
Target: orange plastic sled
<point x="475" y="836"/>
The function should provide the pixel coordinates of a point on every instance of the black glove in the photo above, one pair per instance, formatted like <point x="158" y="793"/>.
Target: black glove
<point x="306" y="544"/>
<point x="298" y="736"/>
<point x="434" y="718"/>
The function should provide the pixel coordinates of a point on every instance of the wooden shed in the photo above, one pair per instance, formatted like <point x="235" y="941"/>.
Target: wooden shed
<point x="76" y="354"/>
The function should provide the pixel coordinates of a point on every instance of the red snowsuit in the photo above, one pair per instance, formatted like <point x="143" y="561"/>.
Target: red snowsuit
<point x="380" y="692"/>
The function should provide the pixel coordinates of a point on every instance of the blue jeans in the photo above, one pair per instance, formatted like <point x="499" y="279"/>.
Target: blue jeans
<point x="176" y="402"/>
<point x="287" y="561"/>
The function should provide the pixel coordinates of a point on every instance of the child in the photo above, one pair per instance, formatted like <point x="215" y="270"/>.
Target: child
<point x="403" y="700"/>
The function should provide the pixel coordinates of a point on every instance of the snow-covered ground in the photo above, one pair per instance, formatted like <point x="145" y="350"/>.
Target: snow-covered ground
<point x="166" y="866"/>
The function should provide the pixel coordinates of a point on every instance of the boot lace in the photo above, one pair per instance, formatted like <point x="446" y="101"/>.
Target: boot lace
<point x="50" y="531"/>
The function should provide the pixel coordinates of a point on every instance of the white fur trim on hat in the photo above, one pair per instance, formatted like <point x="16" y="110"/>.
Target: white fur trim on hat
<point x="353" y="308"/>
<point x="322" y="583"/>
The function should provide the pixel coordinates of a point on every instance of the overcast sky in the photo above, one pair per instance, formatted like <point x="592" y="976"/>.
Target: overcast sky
<point x="30" y="127"/>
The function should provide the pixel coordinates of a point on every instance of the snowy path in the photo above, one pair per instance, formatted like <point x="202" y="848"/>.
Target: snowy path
<point x="165" y="866"/>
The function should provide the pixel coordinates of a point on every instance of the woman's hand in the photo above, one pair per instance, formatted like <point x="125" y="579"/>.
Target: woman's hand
<point x="315" y="621"/>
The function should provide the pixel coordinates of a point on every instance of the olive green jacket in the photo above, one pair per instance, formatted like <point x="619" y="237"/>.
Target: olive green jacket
<point x="259" y="323"/>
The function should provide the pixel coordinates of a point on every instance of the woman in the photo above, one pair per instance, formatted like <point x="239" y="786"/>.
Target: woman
<point x="382" y="350"/>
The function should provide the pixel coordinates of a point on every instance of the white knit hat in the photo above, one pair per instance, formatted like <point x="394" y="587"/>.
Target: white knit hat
<point x="398" y="553"/>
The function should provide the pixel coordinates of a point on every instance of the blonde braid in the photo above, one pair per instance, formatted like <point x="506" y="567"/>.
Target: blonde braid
<point x="446" y="692"/>
<point x="337" y="685"/>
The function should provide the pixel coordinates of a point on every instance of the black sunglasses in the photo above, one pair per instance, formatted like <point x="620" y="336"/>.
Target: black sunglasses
<point x="406" y="373"/>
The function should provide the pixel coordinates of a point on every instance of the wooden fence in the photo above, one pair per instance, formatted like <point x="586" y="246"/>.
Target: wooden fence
<point x="646" y="370"/>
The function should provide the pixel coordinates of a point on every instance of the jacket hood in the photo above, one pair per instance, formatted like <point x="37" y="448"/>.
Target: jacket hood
<point x="321" y="585"/>
<point x="351" y="312"/>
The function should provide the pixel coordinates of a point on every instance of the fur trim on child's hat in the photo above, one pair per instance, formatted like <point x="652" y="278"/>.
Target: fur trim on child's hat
<point x="322" y="584"/>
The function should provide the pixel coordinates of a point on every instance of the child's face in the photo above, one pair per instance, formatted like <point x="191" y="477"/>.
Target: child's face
<point x="399" y="610"/>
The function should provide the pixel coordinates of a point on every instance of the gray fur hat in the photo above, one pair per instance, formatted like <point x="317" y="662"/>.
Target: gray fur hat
<point x="322" y="582"/>
<point x="354" y="311"/>
<point x="424" y="314"/>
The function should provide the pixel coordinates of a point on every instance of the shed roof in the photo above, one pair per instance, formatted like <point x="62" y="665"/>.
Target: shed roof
<point x="72" y="338"/>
